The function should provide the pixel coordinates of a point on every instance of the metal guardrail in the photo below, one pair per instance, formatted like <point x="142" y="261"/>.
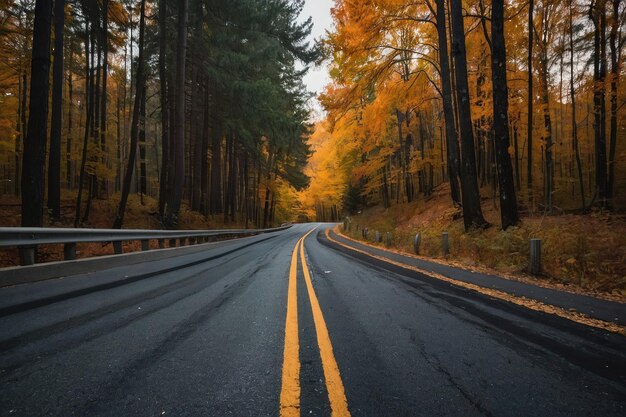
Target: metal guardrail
<point x="27" y="238"/>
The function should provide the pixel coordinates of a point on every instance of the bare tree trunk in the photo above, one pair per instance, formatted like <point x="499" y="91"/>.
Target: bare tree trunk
<point x="165" y="143"/>
<point x="34" y="157"/>
<point x="21" y="137"/>
<point x="143" y="179"/>
<point x="88" y="113"/>
<point x="613" y="42"/>
<point x="531" y="99"/>
<point x="176" y="194"/>
<point x="452" y="140"/>
<point x="597" y="14"/>
<point x="508" y="200"/>
<point x="134" y="132"/>
<point x="103" y="106"/>
<point x="573" y="104"/>
<point x="70" y="135"/>
<point x="54" y="156"/>
<point x="472" y="212"/>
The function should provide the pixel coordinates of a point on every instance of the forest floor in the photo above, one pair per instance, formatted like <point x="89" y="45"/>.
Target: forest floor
<point x="102" y="214"/>
<point x="580" y="253"/>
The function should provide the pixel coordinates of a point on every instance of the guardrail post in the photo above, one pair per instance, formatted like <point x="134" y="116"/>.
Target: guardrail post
<point x="389" y="241"/>
<point x="444" y="244"/>
<point x="378" y="237"/>
<point x="416" y="243"/>
<point x="117" y="247"/>
<point x="183" y="241"/>
<point x="69" y="251"/>
<point x="161" y="243"/>
<point x="172" y="243"/>
<point x="535" y="256"/>
<point x="145" y="245"/>
<point x="27" y="255"/>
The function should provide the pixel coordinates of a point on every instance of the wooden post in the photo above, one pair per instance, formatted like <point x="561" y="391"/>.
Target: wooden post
<point x="69" y="251"/>
<point x="145" y="245"/>
<point x="27" y="255"/>
<point x="416" y="243"/>
<point x="117" y="247"/>
<point x="388" y="239"/>
<point x="534" y="266"/>
<point x="444" y="244"/>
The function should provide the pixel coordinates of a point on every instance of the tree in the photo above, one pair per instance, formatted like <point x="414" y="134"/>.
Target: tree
<point x="134" y="133"/>
<point x="448" y="108"/>
<point x="531" y="99"/>
<point x="597" y="14"/>
<point x="508" y="200"/>
<point x="33" y="161"/>
<point x="54" y="160"/>
<point x="472" y="212"/>
<point x="178" y="172"/>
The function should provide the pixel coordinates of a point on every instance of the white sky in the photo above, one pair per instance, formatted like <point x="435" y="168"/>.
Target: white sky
<point x="317" y="77"/>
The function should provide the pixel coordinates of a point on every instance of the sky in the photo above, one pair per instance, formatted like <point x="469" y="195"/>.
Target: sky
<point x="317" y="77"/>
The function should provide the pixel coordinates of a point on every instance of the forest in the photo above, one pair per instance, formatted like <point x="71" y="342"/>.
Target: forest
<point x="517" y="102"/>
<point x="198" y="103"/>
<point x="200" y="106"/>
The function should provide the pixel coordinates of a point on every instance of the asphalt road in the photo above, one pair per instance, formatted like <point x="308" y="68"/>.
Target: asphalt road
<point x="238" y="329"/>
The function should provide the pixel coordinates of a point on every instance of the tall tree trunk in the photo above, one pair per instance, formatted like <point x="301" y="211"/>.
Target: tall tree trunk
<point x="54" y="156"/>
<point x="452" y="142"/>
<point x="134" y="130"/>
<point x="118" y="124"/>
<point x="205" y="150"/>
<point x="143" y="174"/>
<point x="598" y="16"/>
<point x="88" y="113"/>
<point x="95" y="118"/>
<point x="34" y="157"/>
<point x="173" y="207"/>
<point x="215" y="206"/>
<point x="573" y="104"/>
<point x="472" y="212"/>
<point x="613" y="42"/>
<point x="20" y="138"/>
<point x="103" y="106"/>
<point x="165" y="144"/>
<point x="531" y="99"/>
<point x="70" y="135"/>
<point x="508" y="200"/>
<point x="547" y="120"/>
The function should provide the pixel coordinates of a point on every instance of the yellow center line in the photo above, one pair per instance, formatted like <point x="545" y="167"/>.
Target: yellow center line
<point x="290" y="391"/>
<point x="334" y="386"/>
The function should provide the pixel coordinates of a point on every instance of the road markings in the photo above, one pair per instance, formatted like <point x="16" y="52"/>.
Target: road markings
<point x="334" y="386"/>
<point x="530" y="304"/>
<point x="290" y="391"/>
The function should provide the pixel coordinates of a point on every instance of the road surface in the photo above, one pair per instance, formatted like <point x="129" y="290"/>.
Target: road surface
<point x="245" y="328"/>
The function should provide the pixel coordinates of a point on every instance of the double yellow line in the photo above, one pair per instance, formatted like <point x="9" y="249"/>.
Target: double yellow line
<point x="290" y="392"/>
